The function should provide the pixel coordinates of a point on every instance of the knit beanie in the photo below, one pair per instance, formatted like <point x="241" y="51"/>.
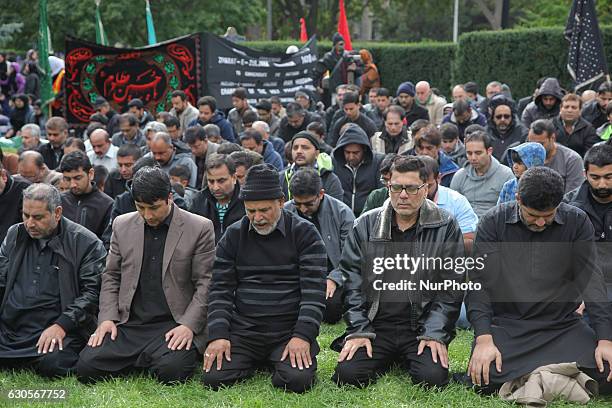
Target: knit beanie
<point x="262" y="183"/>
<point x="307" y="135"/>
<point x="336" y="38"/>
<point x="407" y="88"/>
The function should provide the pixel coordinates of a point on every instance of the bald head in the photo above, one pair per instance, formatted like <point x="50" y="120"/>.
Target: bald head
<point x="423" y="91"/>
<point x="162" y="148"/>
<point x="100" y="142"/>
<point x="459" y="93"/>
<point x="587" y="96"/>
<point x="31" y="166"/>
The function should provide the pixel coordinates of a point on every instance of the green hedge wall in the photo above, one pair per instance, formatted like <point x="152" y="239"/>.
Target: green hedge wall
<point x="397" y="62"/>
<point x="517" y="57"/>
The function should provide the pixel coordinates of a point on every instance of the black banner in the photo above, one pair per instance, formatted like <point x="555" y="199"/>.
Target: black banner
<point x="120" y="74"/>
<point x="229" y="66"/>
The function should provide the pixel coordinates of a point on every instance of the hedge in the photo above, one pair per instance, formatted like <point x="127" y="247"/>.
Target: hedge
<point x="516" y="57"/>
<point x="397" y="62"/>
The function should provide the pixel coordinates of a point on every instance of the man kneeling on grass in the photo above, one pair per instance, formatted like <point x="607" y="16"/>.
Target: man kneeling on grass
<point x="410" y="327"/>
<point x="49" y="285"/>
<point x="267" y="293"/>
<point x="541" y="261"/>
<point x="153" y="298"/>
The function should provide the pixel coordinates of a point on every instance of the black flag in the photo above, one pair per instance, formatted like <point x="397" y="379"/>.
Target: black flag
<point x="586" y="61"/>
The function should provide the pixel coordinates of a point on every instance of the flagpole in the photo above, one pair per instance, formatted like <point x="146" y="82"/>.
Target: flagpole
<point x="100" y="34"/>
<point x="43" y="55"/>
<point x="150" y="27"/>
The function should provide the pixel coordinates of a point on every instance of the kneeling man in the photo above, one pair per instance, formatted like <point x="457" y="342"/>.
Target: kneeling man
<point x="50" y="271"/>
<point x="541" y="261"/>
<point x="412" y="326"/>
<point x="154" y="289"/>
<point x="267" y="294"/>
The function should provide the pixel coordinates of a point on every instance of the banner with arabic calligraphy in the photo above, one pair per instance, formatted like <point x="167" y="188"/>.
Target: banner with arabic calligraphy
<point x="120" y="74"/>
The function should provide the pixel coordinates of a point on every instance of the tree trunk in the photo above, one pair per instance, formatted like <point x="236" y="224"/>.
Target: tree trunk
<point x="494" y="17"/>
<point x="365" y="32"/>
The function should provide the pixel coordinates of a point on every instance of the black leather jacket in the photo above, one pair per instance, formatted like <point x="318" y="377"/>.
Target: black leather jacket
<point x="81" y="260"/>
<point x="434" y="314"/>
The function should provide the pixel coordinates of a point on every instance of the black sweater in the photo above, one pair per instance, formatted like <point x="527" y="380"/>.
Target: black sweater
<point x="268" y="287"/>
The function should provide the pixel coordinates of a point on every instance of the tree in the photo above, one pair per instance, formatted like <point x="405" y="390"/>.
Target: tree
<point x="494" y="15"/>
<point x="124" y="21"/>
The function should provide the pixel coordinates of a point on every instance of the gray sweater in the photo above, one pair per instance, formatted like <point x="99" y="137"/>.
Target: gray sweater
<point x="569" y="165"/>
<point x="481" y="191"/>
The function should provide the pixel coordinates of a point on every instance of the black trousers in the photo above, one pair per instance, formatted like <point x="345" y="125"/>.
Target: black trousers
<point x="137" y="348"/>
<point x="248" y="354"/>
<point x="333" y="308"/>
<point x="392" y="345"/>
<point x="51" y="365"/>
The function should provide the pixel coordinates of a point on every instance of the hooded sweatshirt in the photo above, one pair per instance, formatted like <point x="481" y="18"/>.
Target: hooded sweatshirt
<point x="481" y="191"/>
<point x="536" y="110"/>
<point x="357" y="183"/>
<point x="531" y="154"/>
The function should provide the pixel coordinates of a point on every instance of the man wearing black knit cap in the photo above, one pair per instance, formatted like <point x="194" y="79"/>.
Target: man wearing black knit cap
<point x="305" y="152"/>
<point x="339" y="63"/>
<point x="267" y="293"/>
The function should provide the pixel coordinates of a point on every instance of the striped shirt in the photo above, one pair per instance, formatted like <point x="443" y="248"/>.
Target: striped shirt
<point x="221" y="210"/>
<point x="270" y="286"/>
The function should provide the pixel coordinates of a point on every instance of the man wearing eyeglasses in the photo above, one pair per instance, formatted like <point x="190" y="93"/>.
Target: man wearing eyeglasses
<point x="409" y="327"/>
<point x="504" y="128"/>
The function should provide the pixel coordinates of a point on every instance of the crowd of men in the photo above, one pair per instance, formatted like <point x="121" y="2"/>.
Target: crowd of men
<point x="153" y="242"/>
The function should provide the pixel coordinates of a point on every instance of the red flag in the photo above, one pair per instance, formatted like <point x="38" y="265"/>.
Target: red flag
<point x="343" y="28"/>
<point x="303" y="33"/>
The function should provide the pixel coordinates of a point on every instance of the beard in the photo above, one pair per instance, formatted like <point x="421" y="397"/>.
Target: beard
<point x="601" y="192"/>
<point x="266" y="229"/>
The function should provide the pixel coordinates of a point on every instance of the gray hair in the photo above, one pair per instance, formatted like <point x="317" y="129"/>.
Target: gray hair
<point x="45" y="193"/>
<point x="212" y="130"/>
<point x="162" y="136"/>
<point x="156" y="127"/>
<point x="260" y="124"/>
<point x="33" y="128"/>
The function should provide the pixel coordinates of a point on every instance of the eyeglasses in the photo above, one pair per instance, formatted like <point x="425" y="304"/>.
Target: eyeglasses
<point x="410" y="189"/>
<point x="503" y="116"/>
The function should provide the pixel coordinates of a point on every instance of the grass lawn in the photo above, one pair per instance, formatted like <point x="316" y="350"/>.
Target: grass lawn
<point x="392" y="390"/>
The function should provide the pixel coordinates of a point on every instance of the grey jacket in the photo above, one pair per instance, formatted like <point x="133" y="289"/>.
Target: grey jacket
<point x="335" y="220"/>
<point x="433" y="314"/>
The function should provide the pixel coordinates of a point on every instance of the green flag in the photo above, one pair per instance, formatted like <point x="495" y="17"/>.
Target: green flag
<point x="150" y="26"/>
<point x="46" y="93"/>
<point x="100" y="34"/>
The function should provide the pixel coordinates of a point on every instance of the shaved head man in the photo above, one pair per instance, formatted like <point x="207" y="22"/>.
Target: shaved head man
<point x="104" y="153"/>
<point x="459" y="93"/>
